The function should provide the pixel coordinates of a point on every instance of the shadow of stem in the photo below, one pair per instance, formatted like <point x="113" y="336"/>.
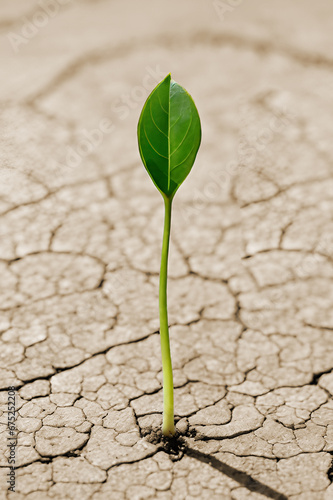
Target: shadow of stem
<point x="241" y="477"/>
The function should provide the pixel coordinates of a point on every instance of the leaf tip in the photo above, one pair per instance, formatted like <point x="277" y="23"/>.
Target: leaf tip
<point x="168" y="77"/>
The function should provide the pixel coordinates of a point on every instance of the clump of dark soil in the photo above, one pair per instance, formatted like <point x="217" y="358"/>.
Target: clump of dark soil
<point x="175" y="446"/>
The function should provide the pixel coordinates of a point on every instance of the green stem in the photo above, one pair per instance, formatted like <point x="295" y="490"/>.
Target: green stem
<point x="168" y="427"/>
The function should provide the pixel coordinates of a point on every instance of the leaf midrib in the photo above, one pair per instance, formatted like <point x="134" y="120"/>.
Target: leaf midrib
<point x="169" y="137"/>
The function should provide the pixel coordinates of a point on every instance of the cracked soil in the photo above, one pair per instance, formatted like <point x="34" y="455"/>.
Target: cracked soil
<point x="251" y="265"/>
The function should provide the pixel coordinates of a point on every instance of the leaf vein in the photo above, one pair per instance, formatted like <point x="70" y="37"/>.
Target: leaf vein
<point x="186" y="133"/>
<point x="159" y="100"/>
<point x="179" y="117"/>
<point x="178" y="165"/>
<point x="150" y="144"/>
<point x="151" y="115"/>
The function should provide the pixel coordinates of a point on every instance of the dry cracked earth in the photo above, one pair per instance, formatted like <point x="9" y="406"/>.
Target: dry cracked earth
<point x="250" y="281"/>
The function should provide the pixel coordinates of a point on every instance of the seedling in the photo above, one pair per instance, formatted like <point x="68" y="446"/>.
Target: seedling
<point x="169" y="136"/>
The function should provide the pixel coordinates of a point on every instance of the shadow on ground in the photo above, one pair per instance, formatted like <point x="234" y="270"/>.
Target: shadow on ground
<point x="241" y="477"/>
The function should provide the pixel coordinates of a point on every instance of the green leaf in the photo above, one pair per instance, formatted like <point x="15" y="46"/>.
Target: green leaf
<point x="169" y="135"/>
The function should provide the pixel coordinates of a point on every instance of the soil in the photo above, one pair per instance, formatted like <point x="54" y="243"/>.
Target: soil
<point x="250" y="295"/>
<point x="175" y="446"/>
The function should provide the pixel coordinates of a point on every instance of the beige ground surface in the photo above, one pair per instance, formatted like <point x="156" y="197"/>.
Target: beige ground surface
<point x="250" y="292"/>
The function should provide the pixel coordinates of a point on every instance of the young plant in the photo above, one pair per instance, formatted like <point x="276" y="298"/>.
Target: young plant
<point x="169" y="136"/>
